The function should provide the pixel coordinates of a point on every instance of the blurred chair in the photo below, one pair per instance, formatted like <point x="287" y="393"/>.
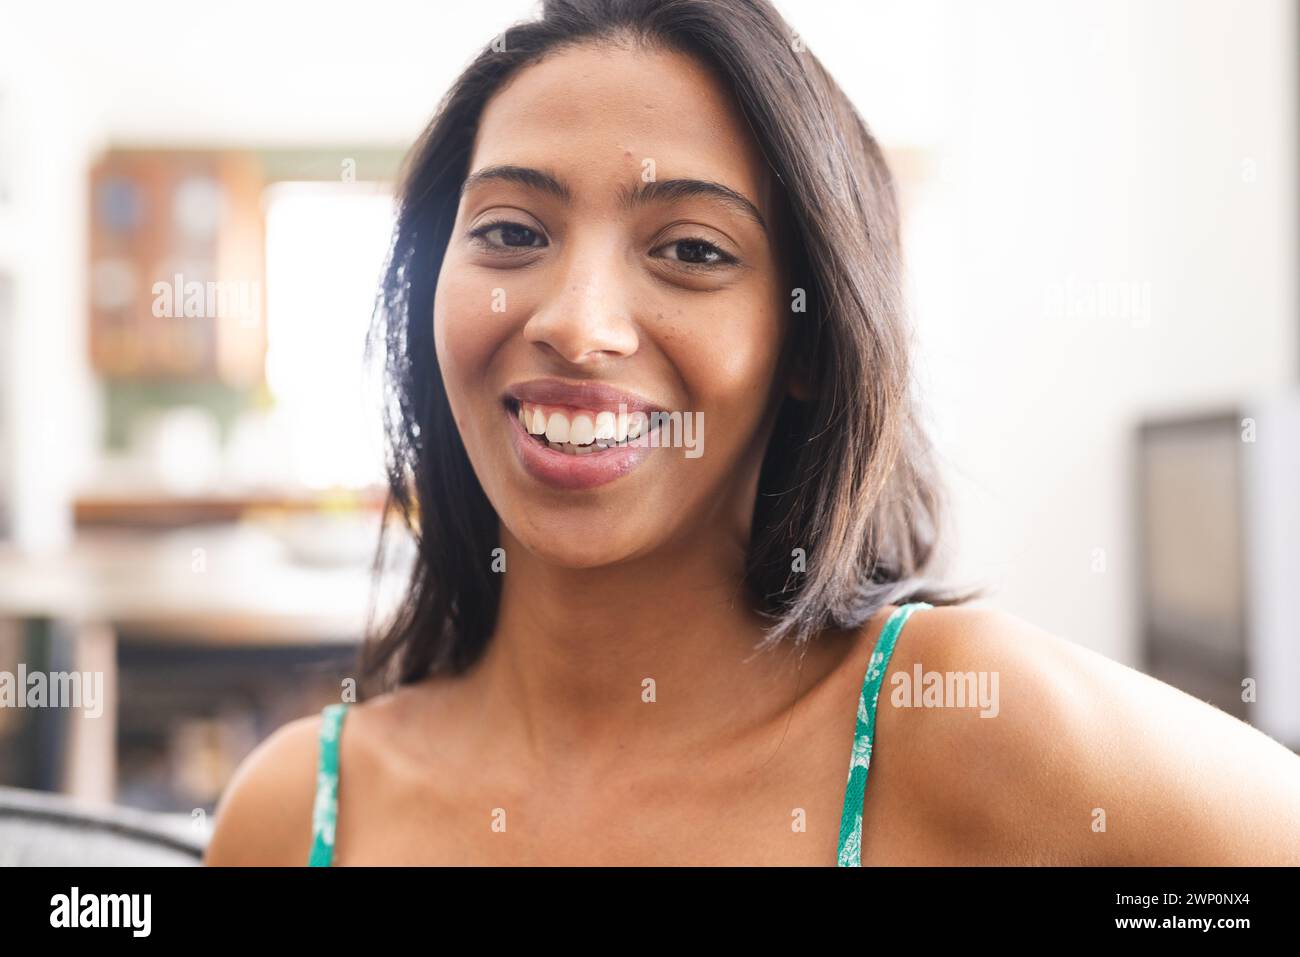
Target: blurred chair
<point x="42" y="829"/>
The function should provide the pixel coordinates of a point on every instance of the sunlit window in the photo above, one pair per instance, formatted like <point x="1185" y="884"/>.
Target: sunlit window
<point x="325" y="247"/>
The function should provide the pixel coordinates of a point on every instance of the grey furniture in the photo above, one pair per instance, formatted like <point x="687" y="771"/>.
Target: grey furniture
<point x="38" y="828"/>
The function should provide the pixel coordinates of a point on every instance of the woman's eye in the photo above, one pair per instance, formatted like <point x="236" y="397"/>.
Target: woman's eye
<point x="697" y="252"/>
<point x="509" y="235"/>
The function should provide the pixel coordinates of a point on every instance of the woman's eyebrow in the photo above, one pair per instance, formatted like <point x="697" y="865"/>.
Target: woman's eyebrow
<point x="523" y="175"/>
<point x="658" y="191"/>
<point x="671" y="189"/>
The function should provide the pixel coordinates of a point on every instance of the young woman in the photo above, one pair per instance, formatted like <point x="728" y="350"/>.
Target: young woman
<point x="622" y="645"/>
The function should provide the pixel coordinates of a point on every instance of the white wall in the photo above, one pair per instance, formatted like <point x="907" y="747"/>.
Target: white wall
<point x="51" y="408"/>
<point x="1084" y="147"/>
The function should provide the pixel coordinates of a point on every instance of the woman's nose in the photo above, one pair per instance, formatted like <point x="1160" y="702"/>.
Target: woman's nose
<point x="588" y="316"/>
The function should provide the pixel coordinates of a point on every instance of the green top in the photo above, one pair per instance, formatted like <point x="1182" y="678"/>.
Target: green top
<point x="849" y="854"/>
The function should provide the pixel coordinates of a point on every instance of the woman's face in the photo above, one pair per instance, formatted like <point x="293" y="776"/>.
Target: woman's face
<point x="612" y="248"/>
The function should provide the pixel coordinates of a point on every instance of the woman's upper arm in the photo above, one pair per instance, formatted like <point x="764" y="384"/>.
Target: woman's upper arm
<point x="264" y="816"/>
<point x="1088" y="761"/>
<point x="1191" y="784"/>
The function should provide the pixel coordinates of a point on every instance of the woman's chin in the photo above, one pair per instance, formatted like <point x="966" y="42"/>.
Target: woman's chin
<point x="579" y="548"/>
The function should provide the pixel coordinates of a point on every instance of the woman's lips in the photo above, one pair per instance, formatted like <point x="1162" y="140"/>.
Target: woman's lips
<point x="565" y="471"/>
<point x="576" y="395"/>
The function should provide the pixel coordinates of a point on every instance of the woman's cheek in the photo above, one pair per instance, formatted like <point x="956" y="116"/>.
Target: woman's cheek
<point x="732" y="364"/>
<point x="466" y="326"/>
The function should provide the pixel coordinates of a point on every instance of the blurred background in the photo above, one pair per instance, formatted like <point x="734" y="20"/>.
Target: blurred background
<point x="1100" y="206"/>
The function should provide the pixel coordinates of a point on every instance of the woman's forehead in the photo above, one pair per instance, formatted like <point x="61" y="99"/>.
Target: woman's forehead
<point x="608" y="115"/>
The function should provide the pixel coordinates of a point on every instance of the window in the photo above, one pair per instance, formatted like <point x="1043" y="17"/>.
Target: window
<point x="325" y="250"/>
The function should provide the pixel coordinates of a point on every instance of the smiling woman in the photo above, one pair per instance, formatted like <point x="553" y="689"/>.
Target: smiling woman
<point x="684" y="255"/>
<point x="640" y="208"/>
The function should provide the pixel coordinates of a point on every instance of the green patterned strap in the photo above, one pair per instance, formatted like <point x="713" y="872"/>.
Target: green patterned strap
<point x="849" y="853"/>
<point x="325" y="809"/>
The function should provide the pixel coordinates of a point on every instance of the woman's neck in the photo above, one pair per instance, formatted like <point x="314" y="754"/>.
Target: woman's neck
<point x="588" y="668"/>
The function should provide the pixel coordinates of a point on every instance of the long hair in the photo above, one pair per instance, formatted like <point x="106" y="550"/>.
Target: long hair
<point x="847" y="476"/>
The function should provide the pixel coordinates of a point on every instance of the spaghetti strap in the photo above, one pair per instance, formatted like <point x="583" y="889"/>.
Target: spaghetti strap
<point x="325" y="808"/>
<point x="849" y="853"/>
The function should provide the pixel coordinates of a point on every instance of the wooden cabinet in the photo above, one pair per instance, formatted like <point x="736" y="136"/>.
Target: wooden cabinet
<point x="177" y="275"/>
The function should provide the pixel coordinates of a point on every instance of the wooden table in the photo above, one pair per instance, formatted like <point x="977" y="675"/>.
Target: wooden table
<point x="232" y="584"/>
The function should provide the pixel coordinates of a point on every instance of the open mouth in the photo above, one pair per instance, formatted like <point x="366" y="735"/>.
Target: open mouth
<point x="571" y="431"/>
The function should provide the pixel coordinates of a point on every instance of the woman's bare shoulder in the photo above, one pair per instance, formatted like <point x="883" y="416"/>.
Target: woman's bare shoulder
<point x="264" y="816"/>
<point x="1017" y="745"/>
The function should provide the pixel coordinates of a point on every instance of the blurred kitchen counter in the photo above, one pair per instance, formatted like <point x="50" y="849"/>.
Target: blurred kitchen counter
<point x="286" y="581"/>
<point x="158" y="509"/>
<point x="297" y="578"/>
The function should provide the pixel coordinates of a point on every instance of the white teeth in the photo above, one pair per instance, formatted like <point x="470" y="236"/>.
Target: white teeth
<point x="557" y="428"/>
<point x="604" y="425"/>
<point x="585" y="432"/>
<point x="581" y="430"/>
<point x="636" y="424"/>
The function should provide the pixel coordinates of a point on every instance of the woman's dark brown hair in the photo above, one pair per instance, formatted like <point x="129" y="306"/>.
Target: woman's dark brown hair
<point x="847" y="476"/>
